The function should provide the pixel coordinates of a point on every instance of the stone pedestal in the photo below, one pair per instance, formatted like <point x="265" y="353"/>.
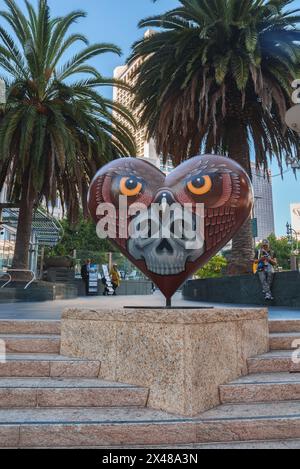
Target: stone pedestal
<point x="182" y="356"/>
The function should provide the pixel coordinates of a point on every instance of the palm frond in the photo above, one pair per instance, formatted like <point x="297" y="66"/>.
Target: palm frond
<point x="56" y="129"/>
<point x="214" y="66"/>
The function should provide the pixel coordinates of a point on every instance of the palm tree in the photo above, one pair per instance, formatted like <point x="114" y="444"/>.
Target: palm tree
<point x="217" y="78"/>
<point x="56" y="128"/>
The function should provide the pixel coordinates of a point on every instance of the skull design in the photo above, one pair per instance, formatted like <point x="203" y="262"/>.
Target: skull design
<point x="165" y="246"/>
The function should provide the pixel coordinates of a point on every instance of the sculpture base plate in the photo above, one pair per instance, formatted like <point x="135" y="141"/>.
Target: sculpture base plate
<point x="182" y="308"/>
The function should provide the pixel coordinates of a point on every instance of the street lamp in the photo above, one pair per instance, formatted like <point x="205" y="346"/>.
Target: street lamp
<point x="290" y="232"/>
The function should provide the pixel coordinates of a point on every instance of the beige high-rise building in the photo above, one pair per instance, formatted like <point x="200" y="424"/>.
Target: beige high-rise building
<point x="145" y="149"/>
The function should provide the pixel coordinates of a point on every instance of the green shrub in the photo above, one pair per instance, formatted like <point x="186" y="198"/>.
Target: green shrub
<point x="213" y="269"/>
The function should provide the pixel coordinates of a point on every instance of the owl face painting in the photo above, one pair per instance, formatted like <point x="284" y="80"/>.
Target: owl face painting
<point x="217" y="197"/>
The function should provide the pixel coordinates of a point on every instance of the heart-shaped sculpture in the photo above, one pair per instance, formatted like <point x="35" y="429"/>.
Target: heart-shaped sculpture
<point x="214" y="191"/>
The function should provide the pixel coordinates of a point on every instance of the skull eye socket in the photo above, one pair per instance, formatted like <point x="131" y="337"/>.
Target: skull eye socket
<point x="130" y="186"/>
<point x="200" y="185"/>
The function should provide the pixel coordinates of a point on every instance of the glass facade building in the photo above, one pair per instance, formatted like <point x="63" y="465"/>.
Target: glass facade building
<point x="263" y="206"/>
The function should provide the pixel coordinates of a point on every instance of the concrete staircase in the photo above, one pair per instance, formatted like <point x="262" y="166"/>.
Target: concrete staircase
<point x="265" y="405"/>
<point x="47" y="400"/>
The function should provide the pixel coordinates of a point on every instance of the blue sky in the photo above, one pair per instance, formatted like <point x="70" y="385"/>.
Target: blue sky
<point x="116" y="21"/>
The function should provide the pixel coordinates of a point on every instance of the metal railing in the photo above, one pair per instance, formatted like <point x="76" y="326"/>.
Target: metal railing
<point x="9" y="278"/>
<point x="19" y="270"/>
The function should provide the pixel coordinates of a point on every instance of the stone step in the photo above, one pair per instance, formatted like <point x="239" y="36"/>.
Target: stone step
<point x="292" y="325"/>
<point x="275" y="361"/>
<point x="253" y="444"/>
<point x="245" y="422"/>
<point x="29" y="327"/>
<point x="284" y="340"/>
<point x="92" y="427"/>
<point x="47" y="365"/>
<point x="262" y="388"/>
<point x="31" y="343"/>
<point x="60" y="392"/>
<point x="272" y="444"/>
<point x="126" y="426"/>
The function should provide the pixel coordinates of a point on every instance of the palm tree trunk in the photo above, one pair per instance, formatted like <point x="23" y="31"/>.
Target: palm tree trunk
<point x="21" y="254"/>
<point x="242" y="244"/>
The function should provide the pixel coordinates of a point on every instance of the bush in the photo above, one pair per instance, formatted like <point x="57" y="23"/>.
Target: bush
<point x="213" y="269"/>
<point x="83" y="238"/>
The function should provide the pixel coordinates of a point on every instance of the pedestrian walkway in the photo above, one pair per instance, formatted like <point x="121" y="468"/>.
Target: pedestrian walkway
<point x="53" y="309"/>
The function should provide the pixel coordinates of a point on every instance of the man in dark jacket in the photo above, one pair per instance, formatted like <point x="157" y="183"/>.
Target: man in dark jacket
<point x="85" y="269"/>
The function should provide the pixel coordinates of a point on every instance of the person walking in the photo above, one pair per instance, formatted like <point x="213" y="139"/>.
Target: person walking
<point x="115" y="278"/>
<point x="266" y="263"/>
<point x="85" y="269"/>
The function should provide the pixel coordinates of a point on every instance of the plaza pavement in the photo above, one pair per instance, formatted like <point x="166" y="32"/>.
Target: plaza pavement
<point x="53" y="309"/>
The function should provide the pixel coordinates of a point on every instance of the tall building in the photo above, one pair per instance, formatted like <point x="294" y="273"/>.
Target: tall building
<point x="263" y="204"/>
<point x="145" y="149"/>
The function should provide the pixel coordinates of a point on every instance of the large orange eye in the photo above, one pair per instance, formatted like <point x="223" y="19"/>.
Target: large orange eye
<point x="200" y="185"/>
<point x="130" y="186"/>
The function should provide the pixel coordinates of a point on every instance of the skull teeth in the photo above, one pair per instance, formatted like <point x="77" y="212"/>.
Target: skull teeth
<point x="165" y="269"/>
